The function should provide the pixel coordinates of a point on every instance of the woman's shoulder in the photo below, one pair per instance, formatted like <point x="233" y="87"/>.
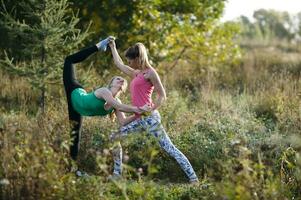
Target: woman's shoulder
<point x="100" y="91"/>
<point x="136" y="72"/>
<point x="148" y="70"/>
<point x="152" y="71"/>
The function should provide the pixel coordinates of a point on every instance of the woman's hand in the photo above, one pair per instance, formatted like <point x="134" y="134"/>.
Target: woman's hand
<point x="111" y="38"/>
<point x="138" y="111"/>
<point x="143" y="109"/>
<point x="146" y="108"/>
<point x="112" y="43"/>
<point x="118" y="61"/>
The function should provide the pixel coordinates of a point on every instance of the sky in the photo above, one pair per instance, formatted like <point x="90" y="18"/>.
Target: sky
<point x="235" y="8"/>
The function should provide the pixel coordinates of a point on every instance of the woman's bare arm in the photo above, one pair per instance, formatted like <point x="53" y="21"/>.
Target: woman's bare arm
<point x="122" y="119"/>
<point x="118" y="61"/>
<point x="158" y="87"/>
<point x="104" y="93"/>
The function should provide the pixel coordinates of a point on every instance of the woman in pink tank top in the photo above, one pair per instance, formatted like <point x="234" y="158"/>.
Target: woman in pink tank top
<point x="144" y="81"/>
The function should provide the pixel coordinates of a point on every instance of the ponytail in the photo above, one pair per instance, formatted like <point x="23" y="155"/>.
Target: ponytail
<point x="138" y="51"/>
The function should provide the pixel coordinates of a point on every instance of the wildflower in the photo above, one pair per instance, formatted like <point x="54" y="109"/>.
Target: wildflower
<point x="106" y="152"/>
<point x="140" y="170"/>
<point x="126" y="158"/>
<point x="4" y="181"/>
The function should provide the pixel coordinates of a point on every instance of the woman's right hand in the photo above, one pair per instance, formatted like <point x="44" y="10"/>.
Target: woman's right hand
<point x="112" y="44"/>
<point x="138" y="111"/>
<point x="143" y="109"/>
<point x="146" y="108"/>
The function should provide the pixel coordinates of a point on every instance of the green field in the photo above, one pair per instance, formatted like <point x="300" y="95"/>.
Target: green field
<point x="234" y="111"/>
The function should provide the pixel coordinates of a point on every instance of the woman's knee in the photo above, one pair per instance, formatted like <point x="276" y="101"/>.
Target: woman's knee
<point x="68" y="59"/>
<point x="168" y="146"/>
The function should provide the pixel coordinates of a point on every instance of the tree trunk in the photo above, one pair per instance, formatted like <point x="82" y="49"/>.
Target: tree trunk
<point x="43" y="89"/>
<point x="43" y="99"/>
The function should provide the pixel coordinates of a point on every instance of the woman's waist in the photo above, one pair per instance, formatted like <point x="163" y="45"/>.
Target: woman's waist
<point x="141" y="101"/>
<point x="153" y="113"/>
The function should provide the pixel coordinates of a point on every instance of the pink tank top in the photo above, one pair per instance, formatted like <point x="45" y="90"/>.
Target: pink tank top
<point x="141" y="91"/>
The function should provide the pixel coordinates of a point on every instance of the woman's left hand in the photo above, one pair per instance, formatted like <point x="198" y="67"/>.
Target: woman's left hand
<point x="146" y="108"/>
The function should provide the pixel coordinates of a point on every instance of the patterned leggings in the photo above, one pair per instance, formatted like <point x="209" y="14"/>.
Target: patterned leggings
<point x="152" y="124"/>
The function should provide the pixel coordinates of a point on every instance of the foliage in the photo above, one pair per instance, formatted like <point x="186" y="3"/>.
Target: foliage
<point x="47" y="32"/>
<point x="271" y="24"/>
<point x="171" y="30"/>
<point x="238" y="122"/>
<point x="235" y="155"/>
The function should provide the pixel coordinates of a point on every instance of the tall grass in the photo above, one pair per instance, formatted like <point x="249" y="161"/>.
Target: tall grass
<point x="239" y="128"/>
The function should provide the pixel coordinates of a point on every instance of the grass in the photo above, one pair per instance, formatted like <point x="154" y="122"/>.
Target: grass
<point x="239" y="128"/>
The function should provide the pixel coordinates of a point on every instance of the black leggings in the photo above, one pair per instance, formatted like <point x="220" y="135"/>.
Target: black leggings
<point x="71" y="83"/>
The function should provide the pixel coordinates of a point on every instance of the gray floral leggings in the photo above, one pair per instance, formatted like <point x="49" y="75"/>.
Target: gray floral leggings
<point x="152" y="125"/>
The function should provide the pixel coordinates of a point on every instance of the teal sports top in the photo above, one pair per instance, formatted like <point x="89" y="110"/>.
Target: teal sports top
<point x="87" y="104"/>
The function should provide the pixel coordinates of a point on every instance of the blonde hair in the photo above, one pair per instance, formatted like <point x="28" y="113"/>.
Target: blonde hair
<point x="138" y="51"/>
<point x="123" y="89"/>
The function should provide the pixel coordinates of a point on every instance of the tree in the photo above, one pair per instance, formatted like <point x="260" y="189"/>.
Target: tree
<point x="273" y="23"/>
<point x="171" y="29"/>
<point x="45" y="32"/>
<point x="270" y="24"/>
<point x="298" y="26"/>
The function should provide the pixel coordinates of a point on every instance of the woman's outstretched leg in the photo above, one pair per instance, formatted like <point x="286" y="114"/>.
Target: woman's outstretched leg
<point x="75" y="123"/>
<point x="71" y="83"/>
<point x="117" y="156"/>
<point x="155" y="128"/>
<point x="132" y="127"/>
<point x="69" y="77"/>
<point x="152" y="124"/>
<point x="169" y="147"/>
